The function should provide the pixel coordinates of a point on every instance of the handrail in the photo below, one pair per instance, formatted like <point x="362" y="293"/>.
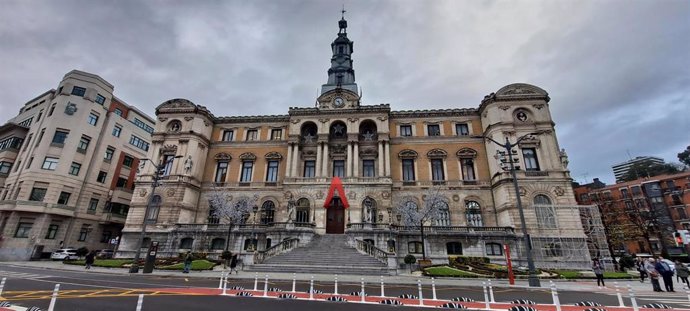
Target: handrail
<point x="373" y="251"/>
<point x="283" y="246"/>
<point x="430" y="228"/>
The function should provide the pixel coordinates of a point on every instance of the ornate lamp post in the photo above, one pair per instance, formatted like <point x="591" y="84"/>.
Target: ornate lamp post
<point x="156" y="178"/>
<point x="532" y="279"/>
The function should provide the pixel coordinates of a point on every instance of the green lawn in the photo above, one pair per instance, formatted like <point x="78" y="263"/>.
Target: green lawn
<point x="106" y="263"/>
<point x="569" y="274"/>
<point x="196" y="265"/>
<point x="447" y="271"/>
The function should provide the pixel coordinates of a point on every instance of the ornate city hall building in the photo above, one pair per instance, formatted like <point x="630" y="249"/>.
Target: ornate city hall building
<point x="337" y="173"/>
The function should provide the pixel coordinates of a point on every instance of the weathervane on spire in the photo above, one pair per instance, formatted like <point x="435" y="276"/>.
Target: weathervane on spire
<point x="343" y="11"/>
<point x="342" y="23"/>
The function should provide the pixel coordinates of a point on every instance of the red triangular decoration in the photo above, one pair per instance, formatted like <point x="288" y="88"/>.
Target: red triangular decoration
<point x="336" y="184"/>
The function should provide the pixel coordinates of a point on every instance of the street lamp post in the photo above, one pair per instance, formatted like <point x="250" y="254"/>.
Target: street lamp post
<point x="156" y="177"/>
<point x="532" y="278"/>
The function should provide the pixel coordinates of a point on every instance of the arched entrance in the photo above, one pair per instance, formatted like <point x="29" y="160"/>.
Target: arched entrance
<point x="335" y="217"/>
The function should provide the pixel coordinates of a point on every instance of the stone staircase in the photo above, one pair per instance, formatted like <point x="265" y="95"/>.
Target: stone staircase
<point x="325" y="254"/>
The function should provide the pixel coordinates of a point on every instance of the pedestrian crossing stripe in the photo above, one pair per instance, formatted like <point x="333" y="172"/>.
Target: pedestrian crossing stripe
<point x="22" y="275"/>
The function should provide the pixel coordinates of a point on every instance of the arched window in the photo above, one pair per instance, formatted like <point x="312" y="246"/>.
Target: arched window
<point x="338" y="130"/>
<point x="443" y="216"/>
<point x="369" y="210"/>
<point x="217" y="243"/>
<point x="267" y="212"/>
<point x="308" y="133"/>
<point x="546" y="215"/>
<point x="414" y="247"/>
<point x="154" y="209"/>
<point x="454" y="248"/>
<point x="494" y="249"/>
<point x="186" y="243"/>
<point x="302" y="210"/>
<point x="391" y="246"/>
<point x="474" y="214"/>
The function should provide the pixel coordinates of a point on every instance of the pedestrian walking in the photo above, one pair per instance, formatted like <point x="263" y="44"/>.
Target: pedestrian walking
<point x="598" y="272"/>
<point x="187" y="262"/>
<point x="640" y="268"/>
<point x="666" y="273"/>
<point x="682" y="272"/>
<point x="650" y="267"/>
<point x="90" y="258"/>
<point x="233" y="264"/>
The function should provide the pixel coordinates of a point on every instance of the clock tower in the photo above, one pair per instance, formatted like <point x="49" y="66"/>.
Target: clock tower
<point x="341" y="90"/>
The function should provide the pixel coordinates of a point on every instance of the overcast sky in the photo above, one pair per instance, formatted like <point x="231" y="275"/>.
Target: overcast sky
<point x="618" y="72"/>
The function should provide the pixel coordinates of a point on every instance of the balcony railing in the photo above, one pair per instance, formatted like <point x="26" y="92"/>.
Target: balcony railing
<point x="442" y="183"/>
<point x="210" y="227"/>
<point x="429" y="229"/>
<point x="282" y="247"/>
<point x="373" y="251"/>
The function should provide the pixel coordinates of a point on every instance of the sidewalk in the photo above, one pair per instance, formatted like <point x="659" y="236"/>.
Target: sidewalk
<point x="569" y="285"/>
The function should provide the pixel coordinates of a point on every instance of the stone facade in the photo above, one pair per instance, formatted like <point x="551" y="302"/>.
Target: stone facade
<point x="381" y="156"/>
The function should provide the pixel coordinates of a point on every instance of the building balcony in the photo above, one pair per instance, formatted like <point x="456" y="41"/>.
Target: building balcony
<point x="37" y="207"/>
<point x="431" y="230"/>
<point x="122" y="195"/>
<point x="345" y="180"/>
<point x="450" y="184"/>
<point x="108" y="217"/>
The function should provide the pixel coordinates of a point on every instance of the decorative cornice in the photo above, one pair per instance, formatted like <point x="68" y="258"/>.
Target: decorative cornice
<point x="434" y="113"/>
<point x="254" y="119"/>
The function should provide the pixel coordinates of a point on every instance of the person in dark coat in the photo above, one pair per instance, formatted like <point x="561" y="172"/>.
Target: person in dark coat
<point x="233" y="264"/>
<point x="682" y="272"/>
<point x="187" y="262"/>
<point x="90" y="258"/>
<point x="666" y="273"/>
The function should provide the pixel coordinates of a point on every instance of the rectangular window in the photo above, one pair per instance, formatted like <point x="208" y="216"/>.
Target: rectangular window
<point x="414" y="247"/>
<point x="74" y="169"/>
<point x="139" y="143"/>
<point x="79" y="91"/>
<point x="530" y="156"/>
<point x="52" y="109"/>
<point x="433" y="130"/>
<point x="272" y="173"/>
<point x="406" y="130"/>
<point x="23" y="229"/>
<point x="624" y="193"/>
<point x="37" y="194"/>
<point x="83" y="144"/>
<point x="121" y="182"/>
<point x="276" y="134"/>
<point x="40" y="136"/>
<point x="52" y="232"/>
<point x="31" y="160"/>
<point x="221" y="171"/>
<point x="168" y="160"/>
<point x="28" y="141"/>
<point x="5" y="167"/>
<point x="128" y="161"/>
<point x="636" y="190"/>
<point x="437" y="169"/>
<point x="83" y="233"/>
<point x="247" y="167"/>
<point x="50" y="163"/>
<point x="462" y="129"/>
<point x="339" y="168"/>
<point x="60" y="137"/>
<point x="93" y="204"/>
<point x="19" y="164"/>
<point x="63" y="198"/>
<point x="118" y="111"/>
<point x="143" y="125"/>
<point x="228" y="135"/>
<point x="11" y="143"/>
<point x="93" y="119"/>
<point x="408" y="169"/>
<point x="117" y="130"/>
<point x="38" y="118"/>
<point x="100" y="99"/>
<point x="101" y="177"/>
<point x="368" y="168"/>
<point x="106" y="236"/>
<point x="252" y="135"/>
<point x="468" y="169"/>
<point x="109" y="152"/>
<point x="309" y="168"/>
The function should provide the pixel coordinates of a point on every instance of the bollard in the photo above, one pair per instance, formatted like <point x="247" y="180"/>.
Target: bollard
<point x="684" y="287"/>
<point x="362" y="294"/>
<point x="382" y="291"/>
<point x="419" y="287"/>
<point x="256" y="281"/>
<point x="220" y="283"/>
<point x="266" y="286"/>
<point x="336" y="285"/>
<point x="632" y="299"/>
<point x="433" y="289"/>
<point x="140" y="302"/>
<point x="51" y="307"/>
<point x="294" y="281"/>
<point x="225" y="287"/>
<point x="491" y="291"/>
<point x="620" y="296"/>
<point x="554" y="294"/>
<point x="2" y="285"/>
<point x="486" y="296"/>
<point x="311" y="288"/>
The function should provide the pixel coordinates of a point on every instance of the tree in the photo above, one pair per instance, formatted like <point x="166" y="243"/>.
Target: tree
<point x="684" y="156"/>
<point x="412" y="214"/>
<point x="232" y="210"/>
<point x="649" y="169"/>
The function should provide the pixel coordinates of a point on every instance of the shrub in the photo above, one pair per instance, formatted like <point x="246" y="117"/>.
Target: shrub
<point x="626" y="262"/>
<point x="410" y="259"/>
<point x="466" y="260"/>
<point x="82" y="251"/>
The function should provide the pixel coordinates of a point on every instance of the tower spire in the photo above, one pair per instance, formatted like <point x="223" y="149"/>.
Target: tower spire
<point x="341" y="74"/>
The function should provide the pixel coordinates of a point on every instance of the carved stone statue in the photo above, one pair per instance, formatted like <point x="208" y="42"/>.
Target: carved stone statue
<point x="188" y="165"/>
<point x="290" y="209"/>
<point x="564" y="158"/>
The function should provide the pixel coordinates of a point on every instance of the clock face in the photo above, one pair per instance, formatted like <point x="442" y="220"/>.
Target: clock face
<point x="338" y="102"/>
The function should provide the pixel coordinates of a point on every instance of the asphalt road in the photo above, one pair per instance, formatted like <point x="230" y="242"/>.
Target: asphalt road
<point x="104" y="292"/>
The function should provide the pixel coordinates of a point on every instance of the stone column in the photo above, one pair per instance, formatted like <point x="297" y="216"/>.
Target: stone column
<point x="319" y="154"/>
<point x="349" y="159"/>
<point x="295" y="158"/>
<point x="381" y="156"/>
<point x="355" y="160"/>
<point x="387" y="157"/>
<point x="324" y="165"/>
<point x="289" y="161"/>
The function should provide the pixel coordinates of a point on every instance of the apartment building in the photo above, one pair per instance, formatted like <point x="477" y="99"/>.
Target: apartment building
<point x="68" y="161"/>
